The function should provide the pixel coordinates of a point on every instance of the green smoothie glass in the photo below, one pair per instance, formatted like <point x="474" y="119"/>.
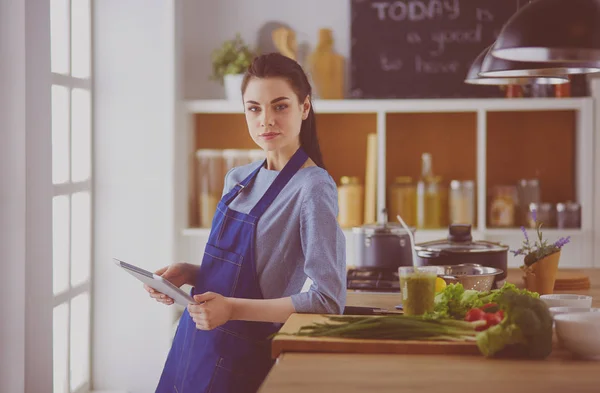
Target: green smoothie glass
<point x="417" y="286"/>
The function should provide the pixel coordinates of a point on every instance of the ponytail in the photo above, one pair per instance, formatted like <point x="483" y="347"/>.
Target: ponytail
<point x="309" y="140"/>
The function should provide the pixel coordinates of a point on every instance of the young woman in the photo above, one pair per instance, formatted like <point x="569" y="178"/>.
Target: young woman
<point x="274" y="227"/>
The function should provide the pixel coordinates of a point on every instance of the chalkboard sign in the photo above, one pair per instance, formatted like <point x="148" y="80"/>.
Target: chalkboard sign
<point x="422" y="48"/>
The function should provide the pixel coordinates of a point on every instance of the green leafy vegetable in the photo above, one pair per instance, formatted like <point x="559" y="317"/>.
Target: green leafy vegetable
<point x="454" y="301"/>
<point x="527" y="326"/>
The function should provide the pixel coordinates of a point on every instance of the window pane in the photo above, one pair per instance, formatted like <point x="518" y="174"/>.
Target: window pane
<point x="80" y="135"/>
<point x="60" y="343"/>
<point x="59" y="36"/>
<point x="80" y="238"/>
<point x="60" y="134"/>
<point x="80" y="38"/>
<point x="60" y="242"/>
<point x="80" y="340"/>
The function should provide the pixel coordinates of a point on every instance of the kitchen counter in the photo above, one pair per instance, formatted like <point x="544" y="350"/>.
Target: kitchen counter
<point x="350" y="373"/>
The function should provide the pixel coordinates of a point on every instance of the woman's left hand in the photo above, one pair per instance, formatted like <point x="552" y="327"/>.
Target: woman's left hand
<point x="214" y="312"/>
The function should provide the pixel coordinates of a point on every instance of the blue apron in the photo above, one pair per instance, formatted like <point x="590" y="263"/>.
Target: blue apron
<point x="234" y="357"/>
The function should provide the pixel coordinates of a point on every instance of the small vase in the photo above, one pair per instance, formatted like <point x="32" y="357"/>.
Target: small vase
<point x="541" y="276"/>
<point x="233" y="86"/>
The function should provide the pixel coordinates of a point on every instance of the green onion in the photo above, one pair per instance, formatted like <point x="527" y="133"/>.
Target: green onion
<point x="391" y="327"/>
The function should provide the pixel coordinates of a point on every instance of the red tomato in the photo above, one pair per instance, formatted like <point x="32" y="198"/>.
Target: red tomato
<point x="475" y="314"/>
<point x="490" y="307"/>
<point x="492" y="319"/>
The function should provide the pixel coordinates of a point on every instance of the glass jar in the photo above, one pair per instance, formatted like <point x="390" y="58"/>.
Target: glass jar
<point x="545" y="213"/>
<point x="210" y="184"/>
<point x="462" y="202"/>
<point x="402" y="200"/>
<point x="529" y="192"/>
<point x="503" y="207"/>
<point x="429" y="198"/>
<point x="350" y="202"/>
<point x="568" y="215"/>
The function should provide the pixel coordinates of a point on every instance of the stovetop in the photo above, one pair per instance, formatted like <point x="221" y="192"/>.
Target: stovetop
<point x="371" y="279"/>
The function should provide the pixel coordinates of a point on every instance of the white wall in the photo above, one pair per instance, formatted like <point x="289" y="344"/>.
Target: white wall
<point x="133" y="147"/>
<point x="207" y="23"/>
<point x="25" y="198"/>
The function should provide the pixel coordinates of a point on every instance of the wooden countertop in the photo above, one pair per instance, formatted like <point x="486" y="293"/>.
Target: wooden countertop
<point x="350" y="373"/>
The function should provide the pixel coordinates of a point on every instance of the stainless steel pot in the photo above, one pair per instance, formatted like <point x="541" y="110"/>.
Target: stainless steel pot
<point x="384" y="245"/>
<point x="460" y="248"/>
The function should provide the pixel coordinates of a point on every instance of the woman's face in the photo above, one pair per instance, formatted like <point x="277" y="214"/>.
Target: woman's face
<point x="273" y="113"/>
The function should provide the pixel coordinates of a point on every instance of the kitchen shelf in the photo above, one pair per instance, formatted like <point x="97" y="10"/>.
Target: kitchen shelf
<point x="491" y="141"/>
<point x="408" y="106"/>
<point x="548" y="233"/>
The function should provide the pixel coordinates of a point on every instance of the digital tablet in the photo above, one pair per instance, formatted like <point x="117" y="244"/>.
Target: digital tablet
<point x="157" y="283"/>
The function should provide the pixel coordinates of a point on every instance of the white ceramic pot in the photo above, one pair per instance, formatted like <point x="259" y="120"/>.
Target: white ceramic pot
<point x="233" y="86"/>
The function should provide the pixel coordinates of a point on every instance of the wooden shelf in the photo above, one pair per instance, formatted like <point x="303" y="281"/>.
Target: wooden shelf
<point x="343" y="141"/>
<point x="491" y="141"/>
<point x="533" y="144"/>
<point x="408" y="106"/>
<point x="451" y="139"/>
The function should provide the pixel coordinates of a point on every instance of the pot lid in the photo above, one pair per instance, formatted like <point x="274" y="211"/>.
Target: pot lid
<point x="381" y="229"/>
<point x="460" y="241"/>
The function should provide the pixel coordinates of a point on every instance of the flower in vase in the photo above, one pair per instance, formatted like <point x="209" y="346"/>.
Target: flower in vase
<point x="539" y="248"/>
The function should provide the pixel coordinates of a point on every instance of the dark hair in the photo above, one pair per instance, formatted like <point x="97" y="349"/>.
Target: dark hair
<point x="277" y="65"/>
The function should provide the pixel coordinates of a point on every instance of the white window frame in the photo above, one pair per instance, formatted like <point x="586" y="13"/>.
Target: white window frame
<point x="69" y="188"/>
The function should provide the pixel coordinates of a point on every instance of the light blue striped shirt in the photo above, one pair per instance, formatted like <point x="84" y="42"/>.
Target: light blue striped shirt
<point x="297" y="237"/>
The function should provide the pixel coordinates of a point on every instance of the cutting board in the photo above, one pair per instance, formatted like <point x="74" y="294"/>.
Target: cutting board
<point x="285" y="343"/>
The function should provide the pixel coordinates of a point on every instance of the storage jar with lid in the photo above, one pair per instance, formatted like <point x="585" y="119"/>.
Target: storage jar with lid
<point x="210" y="183"/>
<point x="568" y="215"/>
<point x="503" y="207"/>
<point x="529" y="192"/>
<point x="402" y="200"/>
<point x="544" y="213"/>
<point x="462" y="202"/>
<point x="429" y="196"/>
<point x="350" y="202"/>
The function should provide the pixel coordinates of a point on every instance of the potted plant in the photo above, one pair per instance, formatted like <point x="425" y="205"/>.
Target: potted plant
<point x="540" y="263"/>
<point x="229" y="62"/>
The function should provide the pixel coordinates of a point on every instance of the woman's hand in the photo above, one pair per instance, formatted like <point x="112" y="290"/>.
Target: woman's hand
<point x="214" y="310"/>
<point x="177" y="274"/>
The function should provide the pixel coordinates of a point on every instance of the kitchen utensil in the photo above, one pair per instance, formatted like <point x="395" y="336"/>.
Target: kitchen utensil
<point x="371" y="180"/>
<point x="471" y="276"/>
<point x="357" y="310"/>
<point x="459" y="248"/>
<point x="410" y="236"/>
<point x="567" y="300"/>
<point x="571" y="310"/>
<point x="382" y="246"/>
<point x="579" y="333"/>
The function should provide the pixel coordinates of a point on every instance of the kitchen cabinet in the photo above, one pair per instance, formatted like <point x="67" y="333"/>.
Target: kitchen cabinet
<point x="491" y="141"/>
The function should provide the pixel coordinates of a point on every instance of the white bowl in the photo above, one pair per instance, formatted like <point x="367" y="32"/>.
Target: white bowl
<point x="567" y="300"/>
<point x="570" y="310"/>
<point x="579" y="333"/>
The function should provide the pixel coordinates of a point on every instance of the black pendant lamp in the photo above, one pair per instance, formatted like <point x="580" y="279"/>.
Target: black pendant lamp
<point x="493" y="67"/>
<point x="475" y="77"/>
<point x="566" y="31"/>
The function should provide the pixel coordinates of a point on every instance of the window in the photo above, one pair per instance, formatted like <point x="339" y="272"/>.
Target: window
<point x="71" y="49"/>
